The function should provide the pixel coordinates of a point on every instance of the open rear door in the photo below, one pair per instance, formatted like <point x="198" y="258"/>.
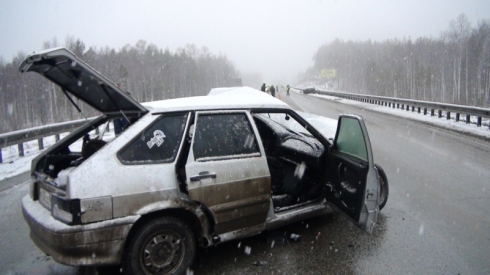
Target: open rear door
<point x="352" y="179"/>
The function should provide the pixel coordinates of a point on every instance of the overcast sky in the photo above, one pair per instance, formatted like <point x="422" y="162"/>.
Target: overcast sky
<point x="276" y="38"/>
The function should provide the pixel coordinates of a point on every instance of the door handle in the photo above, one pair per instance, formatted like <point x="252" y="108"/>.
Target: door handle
<point x="204" y="175"/>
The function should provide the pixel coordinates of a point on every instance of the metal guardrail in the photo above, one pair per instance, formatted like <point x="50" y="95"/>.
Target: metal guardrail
<point x="414" y="105"/>
<point x="20" y="137"/>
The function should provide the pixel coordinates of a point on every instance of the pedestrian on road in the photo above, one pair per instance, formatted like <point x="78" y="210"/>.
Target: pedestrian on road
<point x="262" y="88"/>
<point x="287" y="89"/>
<point x="273" y="91"/>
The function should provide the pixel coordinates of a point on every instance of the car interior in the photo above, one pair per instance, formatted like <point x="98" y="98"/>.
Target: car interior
<point x="295" y="159"/>
<point x="72" y="151"/>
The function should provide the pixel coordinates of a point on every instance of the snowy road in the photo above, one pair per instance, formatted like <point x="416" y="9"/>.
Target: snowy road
<point x="436" y="221"/>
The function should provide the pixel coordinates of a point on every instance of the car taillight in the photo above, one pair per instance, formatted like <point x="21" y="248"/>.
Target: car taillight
<point x="75" y="211"/>
<point x="67" y="211"/>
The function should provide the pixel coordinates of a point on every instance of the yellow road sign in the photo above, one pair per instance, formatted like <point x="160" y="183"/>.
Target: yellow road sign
<point x="329" y="73"/>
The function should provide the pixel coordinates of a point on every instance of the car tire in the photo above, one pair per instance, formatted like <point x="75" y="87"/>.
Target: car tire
<point x="385" y="189"/>
<point x="163" y="245"/>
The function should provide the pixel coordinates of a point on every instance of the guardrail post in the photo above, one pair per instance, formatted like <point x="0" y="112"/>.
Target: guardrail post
<point x="57" y="137"/>
<point x="40" y="143"/>
<point x="439" y="113"/>
<point x="431" y="112"/>
<point x="478" y="123"/>
<point x="468" y="119"/>
<point x="398" y="105"/>
<point x="448" y="115"/>
<point x="21" y="149"/>
<point x="425" y="111"/>
<point x="418" y="110"/>
<point x="408" y="108"/>
<point x="1" y="159"/>
<point x="457" y="117"/>
<point x="413" y="108"/>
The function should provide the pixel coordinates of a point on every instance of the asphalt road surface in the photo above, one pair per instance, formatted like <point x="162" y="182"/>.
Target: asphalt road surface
<point x="436" y="220"/>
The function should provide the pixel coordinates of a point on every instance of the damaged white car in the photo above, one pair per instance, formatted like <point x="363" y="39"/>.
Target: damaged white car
<point x="187" y="172"/>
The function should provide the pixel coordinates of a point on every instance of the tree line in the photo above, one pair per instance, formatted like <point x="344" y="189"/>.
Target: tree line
<point x="454" y="68"/>
<point x="146" y="71"/>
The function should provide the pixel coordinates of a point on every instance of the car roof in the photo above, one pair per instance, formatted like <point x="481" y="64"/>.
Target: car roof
<point x="219" y="99"/>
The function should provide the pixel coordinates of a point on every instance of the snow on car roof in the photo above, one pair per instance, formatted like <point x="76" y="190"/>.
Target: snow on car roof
<point x="219" y="98"/>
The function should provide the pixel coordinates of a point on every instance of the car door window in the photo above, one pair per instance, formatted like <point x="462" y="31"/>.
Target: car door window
<point x="350" y="139"/>
<point x="227" y="135"/>
<point x="157" y="144"/>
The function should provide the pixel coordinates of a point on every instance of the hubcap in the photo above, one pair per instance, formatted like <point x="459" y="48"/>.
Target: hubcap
<point x="162" y="253"/>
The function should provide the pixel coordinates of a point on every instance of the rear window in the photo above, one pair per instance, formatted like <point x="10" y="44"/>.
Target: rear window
<point x="157" y="144"/>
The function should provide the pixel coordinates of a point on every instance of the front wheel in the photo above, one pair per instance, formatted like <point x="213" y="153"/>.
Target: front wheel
<point x="384" y="188"/>
<point x="163" y="245"/>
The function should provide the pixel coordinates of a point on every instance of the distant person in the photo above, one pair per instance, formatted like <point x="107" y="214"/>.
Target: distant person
<point x="262" y="88"/>
<point x="120" y="124"/>
<point x="273" y="91"/>
<point x="287" y="90"/>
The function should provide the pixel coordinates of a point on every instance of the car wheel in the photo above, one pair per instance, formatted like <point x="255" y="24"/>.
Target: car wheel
<point x="163" y="245"/>
<point x="384" y="187"/>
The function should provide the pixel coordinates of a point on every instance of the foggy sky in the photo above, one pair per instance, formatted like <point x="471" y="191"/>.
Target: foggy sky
<point x="276" y="38"/>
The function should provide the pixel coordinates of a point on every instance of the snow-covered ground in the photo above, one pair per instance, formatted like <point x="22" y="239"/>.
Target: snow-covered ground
<point x="14" y="165"/>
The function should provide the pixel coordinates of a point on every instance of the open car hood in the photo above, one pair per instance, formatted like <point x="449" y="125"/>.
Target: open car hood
<point x="74" y="76"/>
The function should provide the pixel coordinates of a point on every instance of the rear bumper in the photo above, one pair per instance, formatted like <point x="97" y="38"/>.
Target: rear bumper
<point x="92" y="244"/>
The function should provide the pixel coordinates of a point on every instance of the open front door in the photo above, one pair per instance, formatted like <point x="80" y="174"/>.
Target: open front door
<point x="352" y="178"/>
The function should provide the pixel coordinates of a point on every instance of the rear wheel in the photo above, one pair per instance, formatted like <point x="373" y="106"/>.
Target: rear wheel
<point x="384" y="191"/>
<point x="163" y="245"/>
